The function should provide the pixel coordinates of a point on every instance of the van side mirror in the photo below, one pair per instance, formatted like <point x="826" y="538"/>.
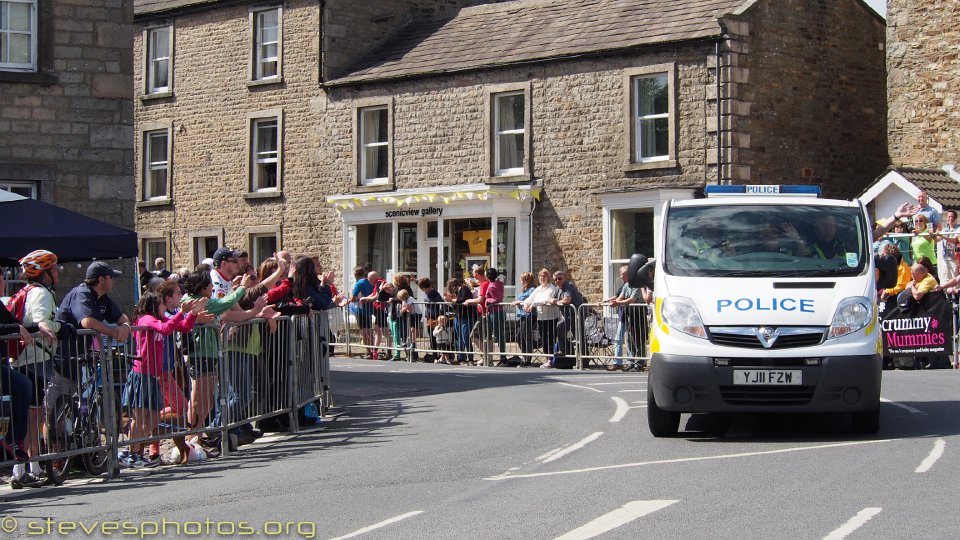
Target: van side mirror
<point x="640" y="271"/>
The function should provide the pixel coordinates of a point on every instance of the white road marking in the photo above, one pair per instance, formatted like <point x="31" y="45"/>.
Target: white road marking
<point x="935" y="454"/>
<point x="607" y="377"/>
<point x="548" y="454"/>
<point x="615" y="383"/>
<point x="902" y="406"/>
<point x="625" y="391"/>
<point x="853" y="524"/>
<point x="574" y="447"/>
<point x="380" y="525"/>
<point x="688" y="460"/>
<point x="621" y="516"/>
<point x="622" y="409"/>
<point x="472" y="370"/>
<point x="578" y="386"/>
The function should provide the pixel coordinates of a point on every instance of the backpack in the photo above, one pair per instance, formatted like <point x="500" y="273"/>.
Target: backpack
<point x="16" y="306"/>
<point x="18" y="302"/>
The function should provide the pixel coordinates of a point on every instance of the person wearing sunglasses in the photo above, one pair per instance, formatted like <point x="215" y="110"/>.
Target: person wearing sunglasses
<point x="924" y="243"/>
<point x="569" y="299"/>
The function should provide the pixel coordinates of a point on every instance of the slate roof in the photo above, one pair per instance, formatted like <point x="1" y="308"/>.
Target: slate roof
<point x="535" y="30"/>
<point x="938" y="184"/>
<point x="148" y="7"/>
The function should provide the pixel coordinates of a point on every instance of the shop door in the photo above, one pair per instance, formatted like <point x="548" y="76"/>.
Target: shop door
<point x="439" y="280"/>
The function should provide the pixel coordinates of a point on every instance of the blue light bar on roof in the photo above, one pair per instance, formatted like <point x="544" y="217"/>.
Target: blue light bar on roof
<point x="762" y="190"/>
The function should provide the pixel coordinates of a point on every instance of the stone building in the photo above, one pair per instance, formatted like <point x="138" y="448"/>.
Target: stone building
<point x="922" y="86"/>
<point x="425" y="137"/>
<point x="66" y="114"/>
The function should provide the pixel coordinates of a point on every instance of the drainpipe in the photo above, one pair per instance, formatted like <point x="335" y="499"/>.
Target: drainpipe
<point x="321" y="5"/>
<point x="719" y="115"/>
<point x="533" y="207"/>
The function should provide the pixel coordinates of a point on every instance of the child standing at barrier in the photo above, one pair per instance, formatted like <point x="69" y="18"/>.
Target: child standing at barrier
<point x="143" y="394"/>
<point x="399" y="318"/>
<point x="173" y="381"/>
<point x="203" y="343"/>
<point x="441" y="333"/>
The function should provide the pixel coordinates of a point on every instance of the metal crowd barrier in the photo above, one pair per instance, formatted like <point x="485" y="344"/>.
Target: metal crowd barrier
<point x="90" y="402"/>
<point x="504" y="334"/>
<point x="68" y="391"/>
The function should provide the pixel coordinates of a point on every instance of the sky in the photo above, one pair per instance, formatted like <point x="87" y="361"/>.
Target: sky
<point x="879" y="5"/>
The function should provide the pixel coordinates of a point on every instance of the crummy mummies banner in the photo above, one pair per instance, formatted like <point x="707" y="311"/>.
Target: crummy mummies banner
<point x="927" y="330"/>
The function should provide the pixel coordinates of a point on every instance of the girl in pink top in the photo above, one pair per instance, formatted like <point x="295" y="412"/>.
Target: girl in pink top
<point x="142" y="394"/>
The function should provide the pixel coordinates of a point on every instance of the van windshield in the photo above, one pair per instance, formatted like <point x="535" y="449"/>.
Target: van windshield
<point x="764" y="240"/>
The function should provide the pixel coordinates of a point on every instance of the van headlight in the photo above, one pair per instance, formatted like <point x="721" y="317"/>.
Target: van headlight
<point x="681" y="314"/>
<point x="852" y="314"/>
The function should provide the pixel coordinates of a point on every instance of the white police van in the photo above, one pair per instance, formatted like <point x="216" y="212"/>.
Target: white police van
<point x="765" y="302"/>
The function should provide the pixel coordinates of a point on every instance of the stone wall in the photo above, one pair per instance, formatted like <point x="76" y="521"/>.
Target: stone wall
<point x="813" y="98"/>
<point x="208" y="114"/>
<point x="922" y="84"/>
<point x="439" y="136"/>
<point x="69" y="126"/>
<point x="577" y="130"/>
<point x="578" y="143"/>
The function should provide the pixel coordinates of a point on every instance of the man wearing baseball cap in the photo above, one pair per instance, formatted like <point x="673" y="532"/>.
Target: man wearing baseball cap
<point x="88" y="305"/>
<point x="226" y="266"/>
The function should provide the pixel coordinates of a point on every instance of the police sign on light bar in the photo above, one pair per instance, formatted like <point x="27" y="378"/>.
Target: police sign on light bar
<point x="761" y="190"/>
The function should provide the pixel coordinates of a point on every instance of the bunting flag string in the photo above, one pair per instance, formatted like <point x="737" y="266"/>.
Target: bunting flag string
<point x="447" y="197"/>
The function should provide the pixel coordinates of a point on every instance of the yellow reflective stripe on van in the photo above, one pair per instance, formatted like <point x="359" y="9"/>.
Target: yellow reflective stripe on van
<point x="656" y="312"/>
<point x="872" y="325"/>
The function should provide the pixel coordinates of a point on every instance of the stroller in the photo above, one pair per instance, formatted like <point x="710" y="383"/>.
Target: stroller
<point x="600" y="336"/>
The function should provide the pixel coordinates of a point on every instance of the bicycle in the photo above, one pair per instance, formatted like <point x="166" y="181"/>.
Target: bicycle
<point x="77" y="421"/>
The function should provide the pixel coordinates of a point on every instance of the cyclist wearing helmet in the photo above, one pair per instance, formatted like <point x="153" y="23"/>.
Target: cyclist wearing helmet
<point x="36" y="361"/>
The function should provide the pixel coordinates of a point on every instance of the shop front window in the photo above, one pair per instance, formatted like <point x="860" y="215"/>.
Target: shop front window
<point x="470" y="240"/>
<point x="373" y="246"/>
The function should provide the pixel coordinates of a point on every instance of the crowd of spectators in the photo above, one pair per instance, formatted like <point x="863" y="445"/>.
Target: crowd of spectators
<point x="467" y="319"/>
<point x="916" y="253"/>
<point x="173" y="342"/>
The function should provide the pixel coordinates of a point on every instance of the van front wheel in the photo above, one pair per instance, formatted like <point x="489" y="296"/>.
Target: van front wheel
<point x="662" y="423"/>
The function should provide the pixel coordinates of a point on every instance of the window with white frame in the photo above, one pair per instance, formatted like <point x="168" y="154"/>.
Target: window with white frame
<point x="262" y="247"/>
<point x="204" y="247"/>
<point x="651" y="117"/>
<point x="159" y="42"/>
<point x="156" y="164"/>
<point x="154" y="248"/>
<point x="374" y="145"/>
<point x="266" y="46"/>
<point x="631" y="231"/>
<point x="265" y="164"/>
<point x="24" y="189"/>
<point x="509" y="132"/>
<point x="18" y="35"/>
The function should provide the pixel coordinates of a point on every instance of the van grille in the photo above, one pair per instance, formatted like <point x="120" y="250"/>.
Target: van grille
<point x="746" y="337"/>
<point x="767" y="395"/>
